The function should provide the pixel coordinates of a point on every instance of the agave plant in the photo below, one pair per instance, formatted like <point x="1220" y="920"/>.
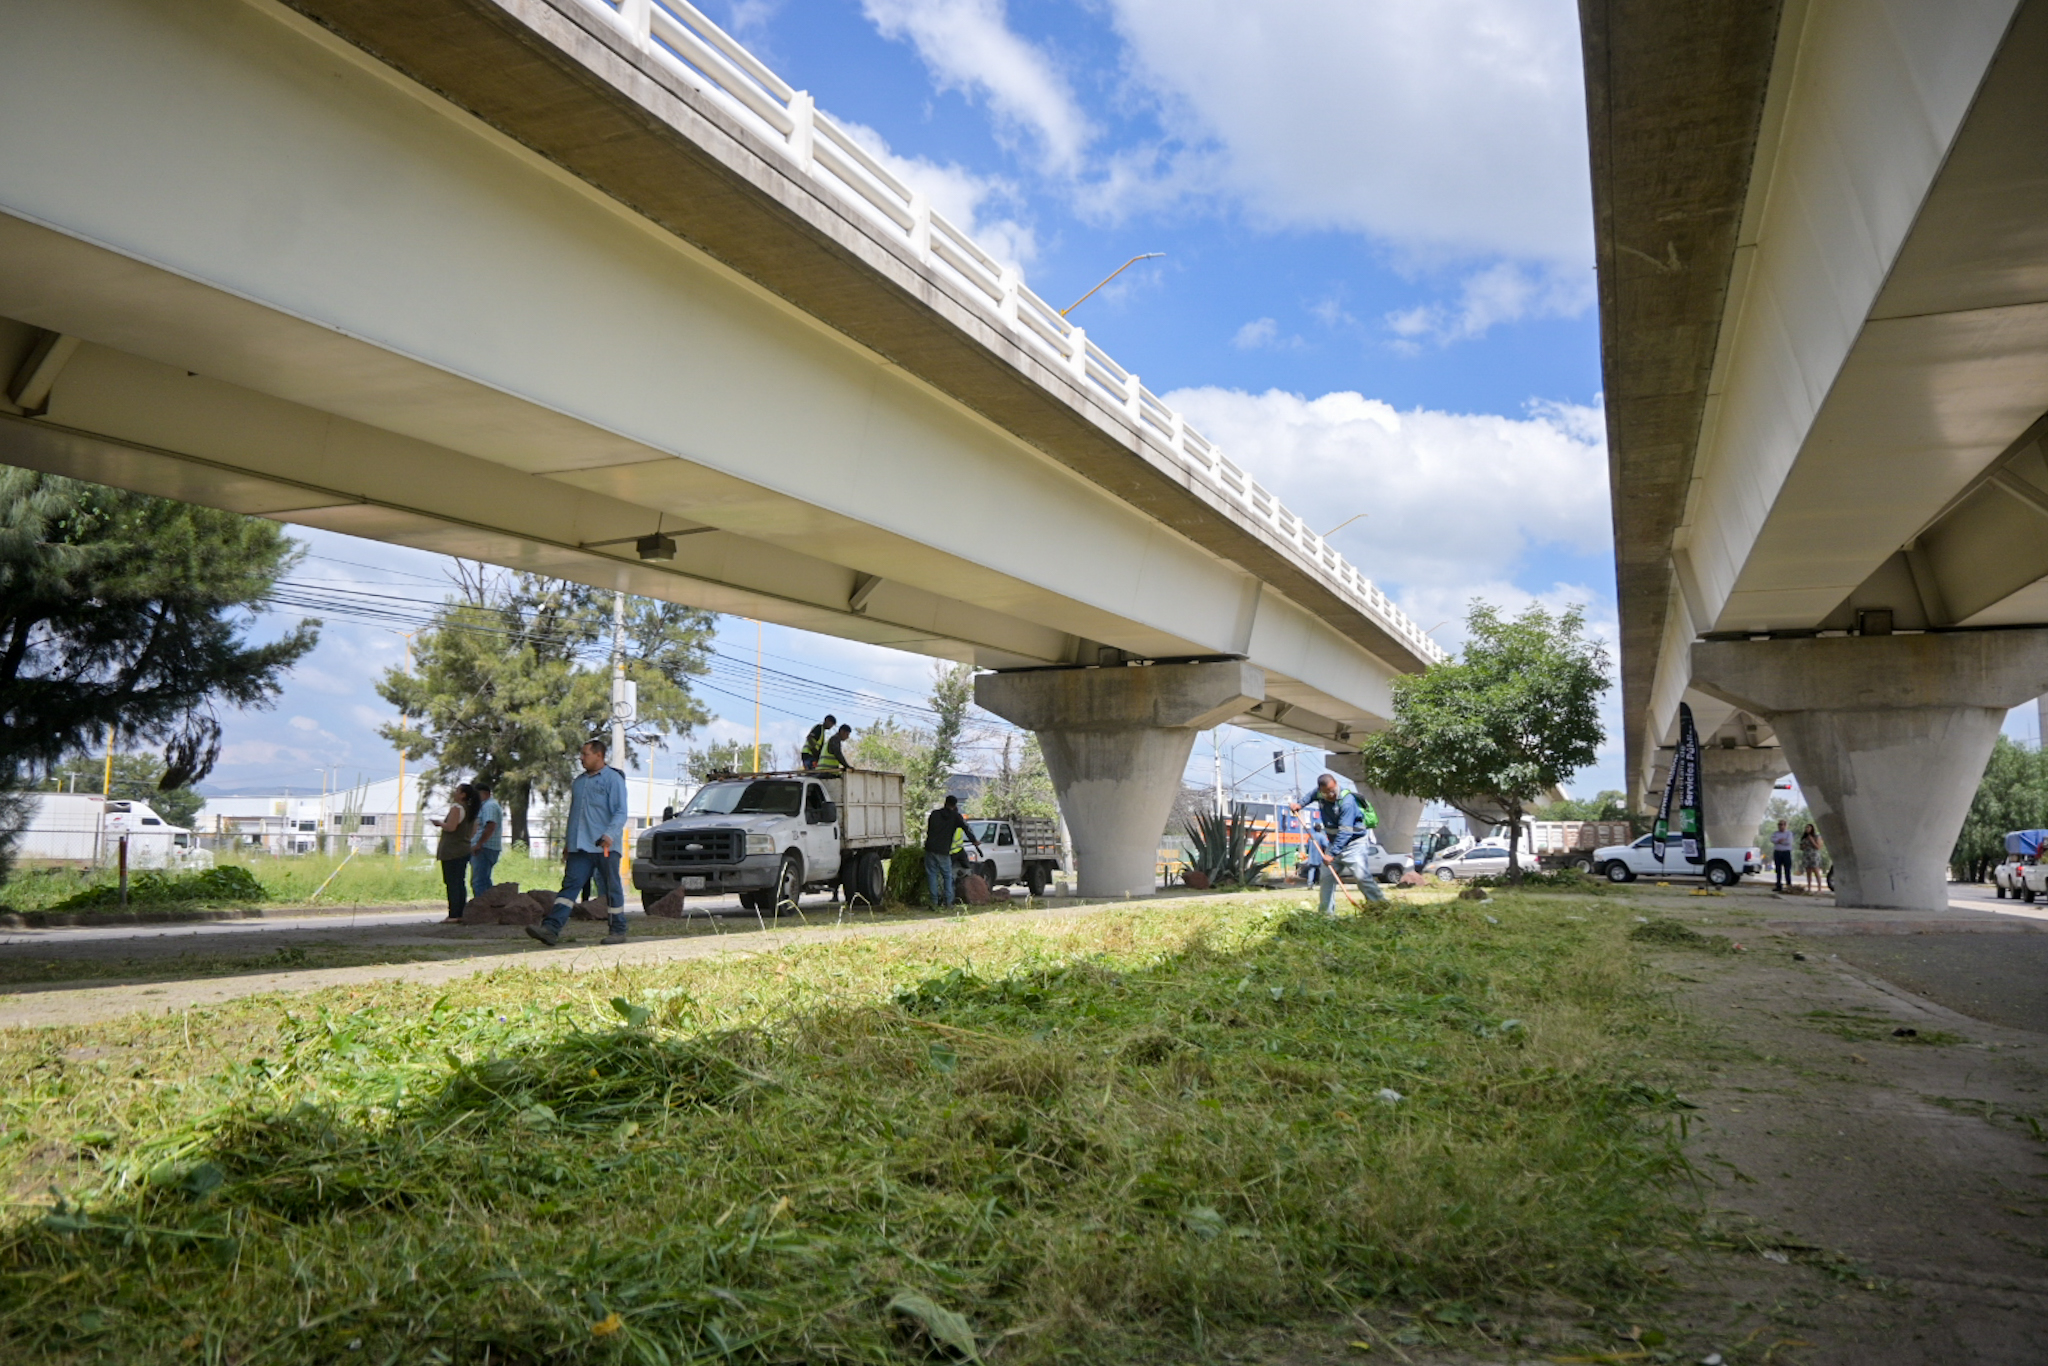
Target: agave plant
<point x="1225" y="849"/>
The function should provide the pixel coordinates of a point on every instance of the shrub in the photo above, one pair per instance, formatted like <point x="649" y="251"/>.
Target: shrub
<point x="906" y="885"/>
<point x="229" y="883"/>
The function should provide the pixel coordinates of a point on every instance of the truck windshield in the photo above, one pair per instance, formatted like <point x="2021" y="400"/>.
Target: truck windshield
<point x="985" y="831"/>
<point x="762" y="797"/>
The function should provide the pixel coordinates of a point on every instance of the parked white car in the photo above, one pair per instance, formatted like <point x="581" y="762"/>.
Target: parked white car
<point x="1481" y="860"/>
<point x="2033" y="882"/>
<point x="1722" y="868"/>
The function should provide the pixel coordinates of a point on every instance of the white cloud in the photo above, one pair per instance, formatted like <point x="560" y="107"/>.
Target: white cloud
<point x="1455" y="500"/>
<point x="1255" y="334"/>
<point x="968" y="46"/>
<point x="305" y="723"/>
<point x="1502" y="293"/>
<point x="1447" y="128"/>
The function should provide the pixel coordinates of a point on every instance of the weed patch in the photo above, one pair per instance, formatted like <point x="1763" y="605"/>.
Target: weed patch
<point x="1113" y="1138"/>
<point x="1676" y="934"/>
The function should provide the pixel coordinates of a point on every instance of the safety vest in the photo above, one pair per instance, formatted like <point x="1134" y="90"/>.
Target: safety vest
<point x="959" y="840"/>
<point x="828" y="761"/>
<point x="814" y="745"/>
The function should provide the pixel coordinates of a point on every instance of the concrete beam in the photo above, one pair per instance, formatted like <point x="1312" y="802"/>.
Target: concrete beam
<point x="1736" y="783"/>
<point x="1889" y="736"/>
<point x="1116" y="742"/>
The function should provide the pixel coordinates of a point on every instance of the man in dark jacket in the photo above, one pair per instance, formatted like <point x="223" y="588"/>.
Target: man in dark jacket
<point x="939" y="829"/>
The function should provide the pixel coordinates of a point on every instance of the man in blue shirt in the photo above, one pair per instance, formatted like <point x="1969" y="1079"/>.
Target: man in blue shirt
<point x="1342" y="820"/>
<point x="597" y="819"/>
<point x="490" y="839"/>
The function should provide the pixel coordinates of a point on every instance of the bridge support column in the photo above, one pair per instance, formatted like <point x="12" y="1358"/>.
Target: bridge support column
<point x="1889" y="736"/>
<point x="1398" y="815"/>
<point x="1116" y="743"/>
<point x="1736" y="783"/>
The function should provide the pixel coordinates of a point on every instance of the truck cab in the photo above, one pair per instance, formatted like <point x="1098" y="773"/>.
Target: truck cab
<point x="771" y="836"/>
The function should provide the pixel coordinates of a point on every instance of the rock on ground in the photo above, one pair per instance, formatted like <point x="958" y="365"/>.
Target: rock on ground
<point x="503" y="904"/>
<point x="973" y="890"/>
<point x="670" y="906"/>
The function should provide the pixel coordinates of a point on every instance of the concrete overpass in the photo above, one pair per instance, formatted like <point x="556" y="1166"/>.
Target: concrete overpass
<point x="1822" y="231"/>
<point x="587" y="290"/>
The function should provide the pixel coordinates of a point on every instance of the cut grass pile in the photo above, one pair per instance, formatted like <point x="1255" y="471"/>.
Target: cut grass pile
<point x="1120" y="1136"/>
<point x="228" y="961"/>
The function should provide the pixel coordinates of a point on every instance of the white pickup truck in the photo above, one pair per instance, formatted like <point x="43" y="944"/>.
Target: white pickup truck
<point x="1026" y="850"/>
<point x="1722" y="868"/>
<point x="769" y="836"/>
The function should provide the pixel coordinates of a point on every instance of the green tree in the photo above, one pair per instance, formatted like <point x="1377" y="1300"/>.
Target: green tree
<point x="1019" y="787"/>
<point x="1609" y="805"/>
<point x="515" y="673"/>
<point x="890" y="745"/>
<point x="1519" y="712"/>
<point x="125" y="612"/>
<point x="138" y="777"/>
<point x="952" y="693"/>
<point x="726" y="756"/>
<point x="2012" y="795"/>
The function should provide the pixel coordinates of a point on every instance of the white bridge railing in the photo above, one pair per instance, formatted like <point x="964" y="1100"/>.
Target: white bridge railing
<point x="717" y="64"/>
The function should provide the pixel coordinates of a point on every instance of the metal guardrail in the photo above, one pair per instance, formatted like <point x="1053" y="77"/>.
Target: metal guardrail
<point x="677" y="33"/>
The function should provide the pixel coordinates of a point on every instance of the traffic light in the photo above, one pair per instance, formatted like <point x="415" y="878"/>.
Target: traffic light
<point x="1279" y="761"/>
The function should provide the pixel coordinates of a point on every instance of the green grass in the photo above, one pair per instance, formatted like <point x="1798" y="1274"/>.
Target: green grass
<point x="1133" y="1135"/>
<point x="365" y="880"/>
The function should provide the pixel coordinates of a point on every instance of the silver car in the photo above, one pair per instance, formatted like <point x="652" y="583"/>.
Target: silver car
<point x="1484" y="860"/>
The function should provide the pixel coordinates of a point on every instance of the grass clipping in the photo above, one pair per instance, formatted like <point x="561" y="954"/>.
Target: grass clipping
<point x="1116" y="1137"/>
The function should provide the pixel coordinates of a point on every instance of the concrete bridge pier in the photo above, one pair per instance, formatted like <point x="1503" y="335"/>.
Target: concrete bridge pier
<point x="1736" y="782"/>
<point x="1398" y="815"/>
<point x="1116" y="742"/>
<point x="1889" y="736"/>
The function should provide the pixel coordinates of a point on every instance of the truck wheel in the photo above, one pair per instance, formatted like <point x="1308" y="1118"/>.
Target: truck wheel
<point x="1446" y="875"/>
<point x="2027" y="895"/>
<point x="2001" y="891"/>
<point x="1585" y="865"/>
<point x="1037" y="877"/>
<point x="869" y="883"/>
<point x="1617" y="871"/>
<point x="789" y="885"/>
<point x="1719" y="874"/>
<point x="1391" y="874"/>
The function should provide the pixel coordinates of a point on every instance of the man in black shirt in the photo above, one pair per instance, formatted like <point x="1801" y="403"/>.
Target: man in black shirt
<point x="939" y="829"/>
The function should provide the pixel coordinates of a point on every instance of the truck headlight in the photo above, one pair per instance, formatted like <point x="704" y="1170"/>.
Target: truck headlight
<point x="760" y="844"/>
<point x="643" y="848"/>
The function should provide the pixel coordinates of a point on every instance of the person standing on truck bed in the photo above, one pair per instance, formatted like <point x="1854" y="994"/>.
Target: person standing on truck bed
<point x="833" y="760"/>
<point x="597" y="817"/>
<point x="940" y="828"/>
<point x="814" y="743"/>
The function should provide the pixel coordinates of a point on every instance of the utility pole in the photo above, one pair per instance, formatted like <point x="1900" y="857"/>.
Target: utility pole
<point x="398" y="834"/>
<point x="619" y="716"/>
<point x="1216" y="757"/>
<point x="107" y="780"/>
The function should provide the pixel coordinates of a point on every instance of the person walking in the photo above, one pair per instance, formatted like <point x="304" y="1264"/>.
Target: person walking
<point x="490" y="839"/>
<point x="1809" y="859"/>
<point x="452" y="850"/>
<point x="814" y="743"/>
<point x="1340" y="818"/>
<point x="940" y="828"/>
<point x="1781" y="859"/>
<point x="597" y="819"/>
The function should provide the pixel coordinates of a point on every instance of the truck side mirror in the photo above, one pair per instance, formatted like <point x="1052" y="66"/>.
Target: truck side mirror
<point x="828" y="814"/>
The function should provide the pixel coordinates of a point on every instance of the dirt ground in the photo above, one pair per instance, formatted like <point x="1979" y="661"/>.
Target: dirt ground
<point x="1870" y="1197"/>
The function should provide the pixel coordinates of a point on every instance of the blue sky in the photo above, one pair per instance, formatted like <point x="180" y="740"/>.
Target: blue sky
<point x="1376" y="294"/>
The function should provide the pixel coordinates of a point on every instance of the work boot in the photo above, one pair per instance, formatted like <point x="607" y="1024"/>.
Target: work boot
<point x="617" y="928"/>
<point x="545" y="935"/>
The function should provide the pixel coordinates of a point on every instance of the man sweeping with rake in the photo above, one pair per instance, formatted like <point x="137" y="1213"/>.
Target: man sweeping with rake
<point x="1335" y="822"/>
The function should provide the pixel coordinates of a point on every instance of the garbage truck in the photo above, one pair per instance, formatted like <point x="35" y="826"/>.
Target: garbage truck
<point x="771" y="836"/>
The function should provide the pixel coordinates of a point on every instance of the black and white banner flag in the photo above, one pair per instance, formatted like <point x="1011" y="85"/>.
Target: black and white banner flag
<point x="1682" y="789"/>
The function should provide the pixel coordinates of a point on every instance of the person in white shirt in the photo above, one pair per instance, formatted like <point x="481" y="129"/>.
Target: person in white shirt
<point x="1782" y="841"/>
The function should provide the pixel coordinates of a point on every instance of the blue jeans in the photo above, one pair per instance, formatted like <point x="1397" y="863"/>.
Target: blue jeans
<point x="578" y="868"/>
<point x="480" y="865"/>
<point x="1351" y="867"/>
<point x="938" y="876"/>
